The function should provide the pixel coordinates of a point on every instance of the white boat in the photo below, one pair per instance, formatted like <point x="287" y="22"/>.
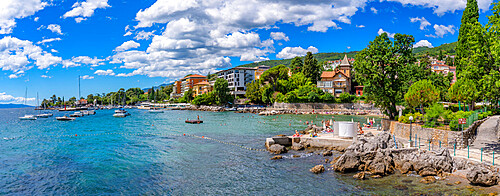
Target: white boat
<point x="91" y="112"/>
<point x="76" y="114"/>
<point x="120" y="111"/>
<point x="27" y="117"/>
<point x="120" y="115"/>
<point x="64" y="118"/>
<point x="44" y="115"/>
<point x="154" y="110"/>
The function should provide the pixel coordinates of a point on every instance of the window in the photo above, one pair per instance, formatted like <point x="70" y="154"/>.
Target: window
<point x="338" y="91"/>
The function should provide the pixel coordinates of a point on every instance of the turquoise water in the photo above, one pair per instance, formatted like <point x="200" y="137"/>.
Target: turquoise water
<point x="42" y="157"/>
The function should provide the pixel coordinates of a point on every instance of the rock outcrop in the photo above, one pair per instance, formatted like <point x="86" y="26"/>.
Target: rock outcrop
<point x="297" y="146"/>
<point x="480" y="175"/>
<point x="379" y="156"/>
<point x="317" y="169"/>
<point x="277" y="149"/>
<point x="277" y="157"/>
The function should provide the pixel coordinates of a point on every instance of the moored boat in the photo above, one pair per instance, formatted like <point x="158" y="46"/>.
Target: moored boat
<point x="76" y="114"/>
<point x="46" y="115"/>
<point x="64" y="118"/>
<point x="27" y="117"/>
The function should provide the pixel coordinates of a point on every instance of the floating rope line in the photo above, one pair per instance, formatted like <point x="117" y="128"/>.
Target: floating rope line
<point x="142" y="134"/>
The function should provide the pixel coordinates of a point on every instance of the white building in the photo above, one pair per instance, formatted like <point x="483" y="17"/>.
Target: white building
<point x="238" y="78"/>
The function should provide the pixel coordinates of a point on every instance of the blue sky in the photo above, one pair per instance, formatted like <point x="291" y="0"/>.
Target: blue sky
<point x="47" y="45"/>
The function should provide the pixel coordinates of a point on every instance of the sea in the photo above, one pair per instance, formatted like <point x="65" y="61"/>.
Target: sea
<point x="159" y="154"/>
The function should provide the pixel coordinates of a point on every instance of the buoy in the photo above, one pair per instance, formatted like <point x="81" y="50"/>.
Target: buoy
<point x="76" y="135"/>
<point x="202" y="136"/>
<point x="184" y="134"/>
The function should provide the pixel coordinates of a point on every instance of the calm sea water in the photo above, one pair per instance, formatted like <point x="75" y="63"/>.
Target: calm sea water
<point x="38" y="158"/>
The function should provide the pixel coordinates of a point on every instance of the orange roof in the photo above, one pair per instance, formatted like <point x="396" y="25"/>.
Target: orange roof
<point x="195" y="76"/>
<point x="328" y="74"/>
<point x="202" y="83"/>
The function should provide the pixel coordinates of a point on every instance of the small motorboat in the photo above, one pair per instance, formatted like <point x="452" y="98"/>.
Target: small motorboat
<point x="64" y="118"/>
<point x="27" y="117"/>
<point x="91" y="112"/>
<point x="120" y="115"/>
<point x="76" y="114"/>
<point x="154" y="110"/>
<point x="44" y="115"/>
<point x="194" y="121"/>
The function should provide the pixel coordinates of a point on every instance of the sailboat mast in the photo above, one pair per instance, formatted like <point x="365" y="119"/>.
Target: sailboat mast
<point x="25" y="95"/>
<point x="79" y="95"/>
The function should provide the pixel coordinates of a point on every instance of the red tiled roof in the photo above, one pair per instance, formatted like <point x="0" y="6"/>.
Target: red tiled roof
<point x="195" y="76"/>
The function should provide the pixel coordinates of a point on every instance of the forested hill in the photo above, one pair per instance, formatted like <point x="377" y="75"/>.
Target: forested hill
<point x="321" y="57"/>
<point x="332" y="56"/>
<point x="446" y="48"/>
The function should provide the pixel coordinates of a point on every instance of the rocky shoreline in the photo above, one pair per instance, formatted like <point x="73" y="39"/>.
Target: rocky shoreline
<point x="381" y="155"/>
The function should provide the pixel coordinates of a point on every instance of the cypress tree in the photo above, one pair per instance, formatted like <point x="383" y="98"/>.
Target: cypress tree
<point x="311" y="68"/>
<point x="469" y="17"/>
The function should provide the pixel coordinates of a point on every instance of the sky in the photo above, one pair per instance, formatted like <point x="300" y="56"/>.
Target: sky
<point x="46" y="45"/>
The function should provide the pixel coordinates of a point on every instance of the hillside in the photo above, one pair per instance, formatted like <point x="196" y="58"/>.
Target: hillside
<point x="447" y="49"/>
<point x="11" y="105"/>
<point x="331" y="56"/>
<point x="321" y="57"/>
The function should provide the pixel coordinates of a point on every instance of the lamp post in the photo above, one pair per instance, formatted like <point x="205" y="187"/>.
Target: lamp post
<point x="411" y="119"/>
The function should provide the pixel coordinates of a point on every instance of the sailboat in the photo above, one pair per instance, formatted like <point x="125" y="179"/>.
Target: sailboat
<point x="44" y="115"/>
<point x="26" y="116"/>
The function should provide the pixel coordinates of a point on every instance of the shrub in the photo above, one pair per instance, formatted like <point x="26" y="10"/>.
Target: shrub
<point x="417" y="116"/>
<point x="434" y="113"/>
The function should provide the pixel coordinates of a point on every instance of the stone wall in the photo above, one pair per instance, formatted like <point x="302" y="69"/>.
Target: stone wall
<point x="435" y="136"/>
<point x="351" y="108"/>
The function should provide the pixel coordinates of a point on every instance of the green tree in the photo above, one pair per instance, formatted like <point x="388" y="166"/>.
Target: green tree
<point x="205" y="99"/>
<point x="440" y="56"/>
<point x="311" y="68"/>
<point x="464" y="90"/>
<point x="381" y="69"/>
<point x="188" y="95"/>
<point x="221" y="91"/>
<point x="473" y="58"/>
<point x="490" y="87"/>
<point x="296" y="64"/>
<point x="493" y="32"/>
<point x="274" y="74"/>
<point x="441" y="82"/>
<point x="422" y="93"/>
<point x="254" y="92"/>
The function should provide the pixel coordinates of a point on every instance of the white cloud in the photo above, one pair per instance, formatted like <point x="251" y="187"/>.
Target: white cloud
<point x="360" y="26"/>
<point x="36" y="19"/>
<point x="144" y="35"/>
<point x="54" y="50"/>
<point x="108" y="72"/>
<point x="375" y="11"/>
<point x="423" y="22"/>
<point x="127" y="46"/>
<point x="442" y="6"/>
<point x="19" y="55"/>
<point x="87" y="77"/>
<point x="423" y="43"/>
<point x="14" y="76"/>
<point x="48" y="40"/>
<point x="291" y="52"/>
<point x="15" y="9"/>
<point x="11" y="99"/>
<point x="442" y="30"/>
<point x="45" y="76"/>
<point x="279" y="36"/>
<point x="127" y="33"/>
<point x="82" y="60"/>
<point x="391" y="35"/>
<point x="55" y="28"/>
<point x="82" y="10"/>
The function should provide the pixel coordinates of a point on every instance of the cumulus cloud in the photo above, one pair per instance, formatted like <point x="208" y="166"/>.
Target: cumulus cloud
<point x="442" y="6"/>
<point x="360" y="26"/>
<point x="127" y="46"/>
<point x="82" y="60"/>
<point x="55" y="28"/>
<point x="48" y="40"/>
<point x="5" y="98"/>
<point x="423" y="22"/>
<point x="442" y="30"/>
<point x="375" y="11"/>
<point x="87" y="77"/>
<point x="15" y="9"/>
<point x="20" y="55"/>
<point x="423" y="43"/>
<point x="279" y="36"/>
<point x="45" y="76"/>
<point x="391" y="35"/>
<point x="291" y="52"/>
<point x="82" y="10"/>
<point x="108" y="72"/>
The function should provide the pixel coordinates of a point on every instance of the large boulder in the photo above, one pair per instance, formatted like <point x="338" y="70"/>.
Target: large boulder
<point x="482" y="176"/>
<point x="277" y="149"/>
<point x="317" y="169"/>
<point x="348" y="162"/>
<point x="297" y="146"/>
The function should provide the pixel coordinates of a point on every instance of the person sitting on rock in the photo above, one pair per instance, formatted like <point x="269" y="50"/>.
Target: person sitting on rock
<point x="297" y="134"/>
